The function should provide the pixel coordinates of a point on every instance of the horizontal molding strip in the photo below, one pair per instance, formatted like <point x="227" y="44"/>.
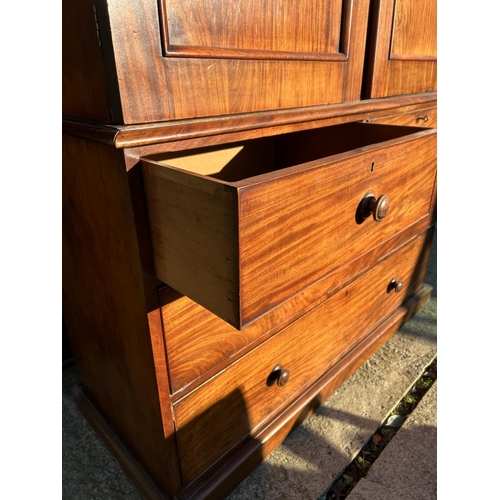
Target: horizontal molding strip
<point x="412" y="57"/>
<point x="126" y="136"/>
<point x="226" y="53"/>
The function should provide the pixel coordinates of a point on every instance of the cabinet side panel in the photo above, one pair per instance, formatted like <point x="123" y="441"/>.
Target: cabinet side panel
<point x="84" y="92"/>
<point x="114" y="336"/>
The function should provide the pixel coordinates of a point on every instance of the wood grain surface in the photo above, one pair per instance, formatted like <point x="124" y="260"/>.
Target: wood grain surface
<point x="402" y="49"/>
<point x="116" y="339"/>
<point x="256" y="242"/>
<point x="414" y="30"/>
<point x="219" y="480"/>
<point x="221" y="412"/>
<point x="212" y="177"/>
<point x="178" y="135"/>
<point x="280" y="68"/>
<point x="270" y="27"/>
<point x="200" y="344"/>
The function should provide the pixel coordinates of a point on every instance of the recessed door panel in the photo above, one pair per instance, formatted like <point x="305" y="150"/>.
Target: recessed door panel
<point x="258" y="29"/>
<point x="414" y="30"/>
<point x="403" y="49"/>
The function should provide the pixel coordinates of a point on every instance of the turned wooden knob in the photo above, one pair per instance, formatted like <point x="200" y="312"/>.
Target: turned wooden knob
<point x="283" y="378"/>
<point x="381" y="208"/>
<point x="370" y="205"/>
<point x="279" y="376"/>
<point x="395" y="285"/>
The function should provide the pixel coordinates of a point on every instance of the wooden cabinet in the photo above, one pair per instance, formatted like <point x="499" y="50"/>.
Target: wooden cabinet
<point x="175" y="59"/>
<point x="243" y="224"/>
<point x="403" y="50"/>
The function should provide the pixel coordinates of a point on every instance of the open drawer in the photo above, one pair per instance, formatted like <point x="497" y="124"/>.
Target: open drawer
<point x="243" y="227"/>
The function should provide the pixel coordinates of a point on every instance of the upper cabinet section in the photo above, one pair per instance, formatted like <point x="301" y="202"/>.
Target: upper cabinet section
<point x="403" y="48"/>
<point x="143" y="61"/>
<point x="179" y="59"/>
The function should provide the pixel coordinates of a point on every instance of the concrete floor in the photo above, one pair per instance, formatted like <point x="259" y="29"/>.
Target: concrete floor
<point x="304" y="466"/>
<point x="407" y="467"/>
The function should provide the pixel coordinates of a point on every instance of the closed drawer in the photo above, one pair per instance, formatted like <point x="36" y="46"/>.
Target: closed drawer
<point x="219" y="414"/>
<point x="242" y="228"/>
<point x="422" y="118"/>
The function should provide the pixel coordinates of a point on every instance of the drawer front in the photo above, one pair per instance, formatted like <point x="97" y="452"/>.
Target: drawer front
<point x="422" y="118"/>
<point x="294" y="230"/>
<point x="223" y="411"/>
<point x="241" y="247"/>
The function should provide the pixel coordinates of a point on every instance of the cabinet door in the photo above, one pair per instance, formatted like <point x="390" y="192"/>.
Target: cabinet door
<point x="403" y="48"/>
<point x="179" y="59"/>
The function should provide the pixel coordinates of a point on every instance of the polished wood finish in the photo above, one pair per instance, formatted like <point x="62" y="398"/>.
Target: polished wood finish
<point x="254" y="30"/>
<point x="84" y="73"/>
<point x="218" y="482"/>
<point x="242" y="247"/>
<point x="403" y="48"/>
<point x="426" y="118"/>
<point x="180" y="135"/>
<point x="303" y="57"/>
<point x="115" y="335"/>
<point x="226" y="148"/>
<point x="200" y="344"/>
<point x="208" y="428"/>
<point x="414" y="30"/>
<point x="234" y="468"/>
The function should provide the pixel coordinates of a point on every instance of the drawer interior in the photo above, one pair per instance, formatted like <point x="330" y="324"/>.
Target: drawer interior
<point x="240" y="161"/>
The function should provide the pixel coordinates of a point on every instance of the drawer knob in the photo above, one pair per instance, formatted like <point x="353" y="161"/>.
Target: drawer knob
<point x="395" y="285"/>
<point x="279" y="376"/>
<point x="370" y="205"/>
<point x="381" y="208"/>
<point x="283" y="378"/>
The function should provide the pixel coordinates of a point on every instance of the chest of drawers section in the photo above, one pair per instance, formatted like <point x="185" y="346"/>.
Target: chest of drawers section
<point x="232" y="406"/>
<point x="249" y="195"/>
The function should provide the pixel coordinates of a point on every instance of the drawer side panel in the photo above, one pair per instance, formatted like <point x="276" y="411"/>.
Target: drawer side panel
<point x="193" y="230"/>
